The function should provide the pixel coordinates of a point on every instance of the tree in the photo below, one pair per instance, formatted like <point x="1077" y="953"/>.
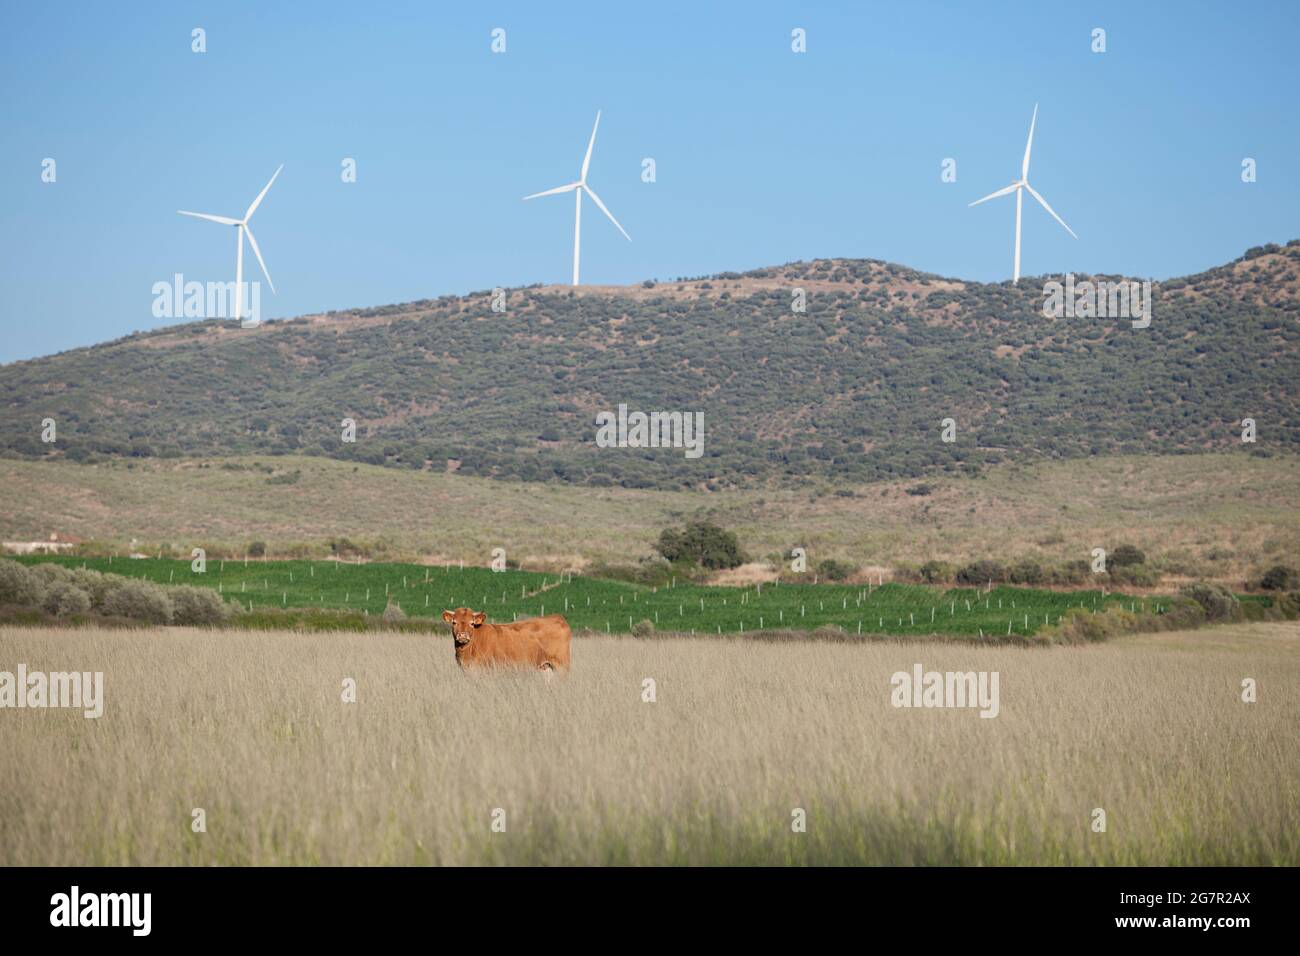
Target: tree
<point x="981" y="572"/>
<point x="702" y="543"/>
<point x="1125" y="555"/>
<point x="18" y="585"/>
<point x="1277" y="578"/>
<point x="834" y="570"/>
<point x="935" y="572"/>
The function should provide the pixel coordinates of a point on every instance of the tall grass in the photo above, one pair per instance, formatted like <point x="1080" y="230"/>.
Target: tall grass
<point x="251" y="728"/>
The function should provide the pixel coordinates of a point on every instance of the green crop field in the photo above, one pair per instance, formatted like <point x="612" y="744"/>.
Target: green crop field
<point x="613" y="606"/>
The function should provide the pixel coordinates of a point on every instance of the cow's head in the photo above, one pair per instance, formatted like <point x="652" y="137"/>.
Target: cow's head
<point x="463" y="623"/>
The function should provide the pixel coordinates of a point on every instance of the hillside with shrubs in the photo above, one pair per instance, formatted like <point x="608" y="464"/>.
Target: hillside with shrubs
<point x="853" y="389"/>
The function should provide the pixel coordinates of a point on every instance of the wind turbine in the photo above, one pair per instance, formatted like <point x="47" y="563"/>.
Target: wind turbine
<point x="578" y="189"/>
<point x="241" y="229"/>
<point x="1017" y="187"/>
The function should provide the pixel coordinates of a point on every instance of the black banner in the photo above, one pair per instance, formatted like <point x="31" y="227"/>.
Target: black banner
<point x="333" y="905"/>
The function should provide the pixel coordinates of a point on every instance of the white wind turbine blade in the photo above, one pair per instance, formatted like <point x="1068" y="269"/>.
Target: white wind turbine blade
<point x="1001" y="192"/>
<point x="1043" y="202"/>
<point x="1024" y="166"/>
<point x="596" y="200"/>
<point x="258" y="252"/>
<point x="586" y="161"/>
<point x="224" y="220"/>
<point x="258" y="201"/>
<point x="552" y="192"/>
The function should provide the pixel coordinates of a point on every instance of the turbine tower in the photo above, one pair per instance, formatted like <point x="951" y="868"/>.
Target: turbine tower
<point x="1018" y="188"/>
<point x="241" y="230"/>
<point x="578" y="189"/>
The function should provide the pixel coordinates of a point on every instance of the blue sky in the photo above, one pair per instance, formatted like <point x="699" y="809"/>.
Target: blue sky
<point x="763" y="155"/>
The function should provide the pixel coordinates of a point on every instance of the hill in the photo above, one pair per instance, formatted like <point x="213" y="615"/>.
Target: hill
<point x="852" y="390"/>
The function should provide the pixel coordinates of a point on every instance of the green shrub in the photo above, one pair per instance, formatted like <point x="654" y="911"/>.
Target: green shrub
<point x="643" y="628"/>
<point x="834" y="570"/>
<point x="1278" y="578"/>
<point x="198" y="607"/>
<point x="981" y="572"/>
<point x="48" y="573"/>
<point x="63" y="598"/>
<point x="1219" y="603"/>
<point x="1183" y="613"/>
<point x="1124" y="556"/>
<point x="96" y="584"/>
<point x="936" y="572"/>
<point x="1026" y="572"/>
<point x="702" y="543"/>
<point x="1078" y="625"/>
<point x="1072" y="572"/>
<point x="1136" y="575"/>
<point x="257" y="549"/>
<point x="1254" y="611"/>
<point x="650" y="571"/>
<point x="18" y="585"/>
<point x="140" y="601"/>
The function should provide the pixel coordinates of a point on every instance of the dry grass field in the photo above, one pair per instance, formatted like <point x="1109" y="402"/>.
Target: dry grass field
<point x="251" y="727"/>
<point x="1222" y="517"/>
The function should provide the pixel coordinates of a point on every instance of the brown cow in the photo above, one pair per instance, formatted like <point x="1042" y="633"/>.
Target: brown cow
<point x="540" y="642"/>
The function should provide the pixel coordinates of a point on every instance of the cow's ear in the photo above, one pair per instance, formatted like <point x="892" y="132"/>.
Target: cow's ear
<point x="447" y="616"/>
<point x="479" y="618"/>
